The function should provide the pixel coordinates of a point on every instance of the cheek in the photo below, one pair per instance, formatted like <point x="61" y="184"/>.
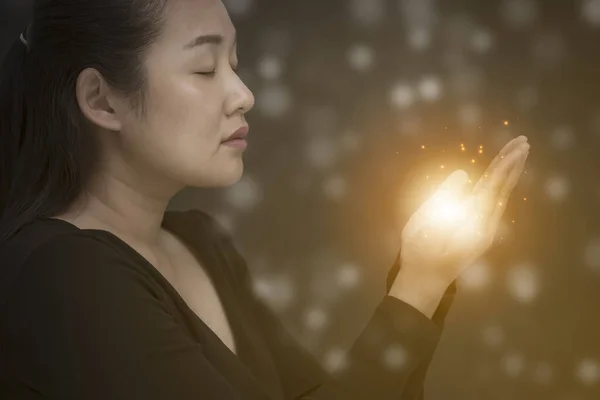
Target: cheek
<point x="181" y="135"/>
<point x="185" y="112"/>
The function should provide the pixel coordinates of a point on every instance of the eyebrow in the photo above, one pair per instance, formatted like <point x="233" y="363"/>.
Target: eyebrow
<point x="207" y="39"/>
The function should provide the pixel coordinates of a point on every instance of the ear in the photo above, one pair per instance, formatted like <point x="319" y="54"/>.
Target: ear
<point x="96" y="100"/>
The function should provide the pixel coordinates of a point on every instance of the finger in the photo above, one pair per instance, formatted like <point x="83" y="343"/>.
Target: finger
<point x="489" y="191"/>
<point x="453" y="186"/>
<point x="510" y="184"/>
<point x="513" y="176"/>
<point x="511" y="147"/>
<point x="496" y="177"/>
<point x="455" y="182"/>
<point x="507" y="149"/>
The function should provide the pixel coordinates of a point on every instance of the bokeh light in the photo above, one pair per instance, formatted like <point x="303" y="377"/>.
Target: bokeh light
<point x="345" y="98"/>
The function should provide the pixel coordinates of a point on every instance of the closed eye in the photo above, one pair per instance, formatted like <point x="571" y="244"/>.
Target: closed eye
<point x="214" y="72"/>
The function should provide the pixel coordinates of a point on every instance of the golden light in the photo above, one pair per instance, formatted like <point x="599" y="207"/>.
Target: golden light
<point x="423" y="146"/>
<point x="446" y="208"/>
<point x="480" y="151"/>
<point x="449" y="210"/>
<point x="473" y="161"/>
<point x="441" y="166"/>
<point x="505" y="123"/>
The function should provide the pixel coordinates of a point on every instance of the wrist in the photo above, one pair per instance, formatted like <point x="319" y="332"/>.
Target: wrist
<point x="421" y="292"/>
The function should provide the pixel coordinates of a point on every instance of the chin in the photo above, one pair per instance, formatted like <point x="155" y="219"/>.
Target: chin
<point x="223" y="177"/>
<point x="230" y="181"/>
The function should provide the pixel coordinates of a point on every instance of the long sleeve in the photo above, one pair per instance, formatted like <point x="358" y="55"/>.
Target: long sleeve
<point x="388" y="361"/>
<point x="92" y="326"/>
<point x="415" y="386"/>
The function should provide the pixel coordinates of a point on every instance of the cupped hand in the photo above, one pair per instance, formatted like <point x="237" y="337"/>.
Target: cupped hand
<point x="456" y="225"/>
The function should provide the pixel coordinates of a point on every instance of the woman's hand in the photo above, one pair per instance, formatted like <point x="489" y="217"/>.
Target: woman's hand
<point x="455" y="227"/>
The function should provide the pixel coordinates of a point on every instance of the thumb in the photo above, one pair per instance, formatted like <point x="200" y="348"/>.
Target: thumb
<point x="449" y="191"/>
<point x="455" y="183"/>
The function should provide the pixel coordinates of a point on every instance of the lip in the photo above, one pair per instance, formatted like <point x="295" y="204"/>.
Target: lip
<point x="239" y="134"/>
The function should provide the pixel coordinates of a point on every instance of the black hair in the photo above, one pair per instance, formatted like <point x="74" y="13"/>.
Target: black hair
<point x="47" y="150"/>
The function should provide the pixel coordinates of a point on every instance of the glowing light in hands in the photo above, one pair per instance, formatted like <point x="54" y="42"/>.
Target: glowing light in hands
<point x="451" y="211"/>
<point x="446" y="208"/>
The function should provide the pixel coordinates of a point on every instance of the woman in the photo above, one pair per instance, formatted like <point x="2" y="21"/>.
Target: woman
<point x="110" y="108"/>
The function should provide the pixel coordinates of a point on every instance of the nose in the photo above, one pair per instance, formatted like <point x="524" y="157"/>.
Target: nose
<point x="240" y="97"/>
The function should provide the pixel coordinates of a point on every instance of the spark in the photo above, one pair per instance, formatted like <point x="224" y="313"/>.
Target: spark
<point x="505" y="123"/>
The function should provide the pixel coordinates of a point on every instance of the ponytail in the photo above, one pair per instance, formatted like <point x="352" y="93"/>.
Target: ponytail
<point x="45" y="157"/>
<point x="13" y="124"/>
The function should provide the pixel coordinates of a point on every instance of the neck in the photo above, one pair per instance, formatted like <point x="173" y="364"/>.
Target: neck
<point x="131" y="212"/>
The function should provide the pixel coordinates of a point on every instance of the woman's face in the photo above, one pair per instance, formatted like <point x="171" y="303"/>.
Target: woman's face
<point x="195" y="100"/>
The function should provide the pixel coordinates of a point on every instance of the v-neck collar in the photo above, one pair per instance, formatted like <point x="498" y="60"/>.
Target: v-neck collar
<point x="203" y="245"/>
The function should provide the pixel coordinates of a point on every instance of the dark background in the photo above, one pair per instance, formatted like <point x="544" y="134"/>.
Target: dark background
<point x="347" y="94"/>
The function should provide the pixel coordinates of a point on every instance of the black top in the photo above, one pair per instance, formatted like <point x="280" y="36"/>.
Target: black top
<point x="84" y="316"/>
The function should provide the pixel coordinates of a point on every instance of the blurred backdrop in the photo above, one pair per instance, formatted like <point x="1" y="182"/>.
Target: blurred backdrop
<point x="362" y="107"/>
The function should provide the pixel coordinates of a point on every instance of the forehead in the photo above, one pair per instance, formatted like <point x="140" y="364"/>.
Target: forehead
<point x="186" y="19"/>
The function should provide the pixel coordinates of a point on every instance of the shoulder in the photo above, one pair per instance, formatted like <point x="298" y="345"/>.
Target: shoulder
<point x="53" y="240"/>
<point x="78" y="267"/>
<point x="79" y="258"/>
<point x="43" y="245"/>
<point x="74" y="248"/>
